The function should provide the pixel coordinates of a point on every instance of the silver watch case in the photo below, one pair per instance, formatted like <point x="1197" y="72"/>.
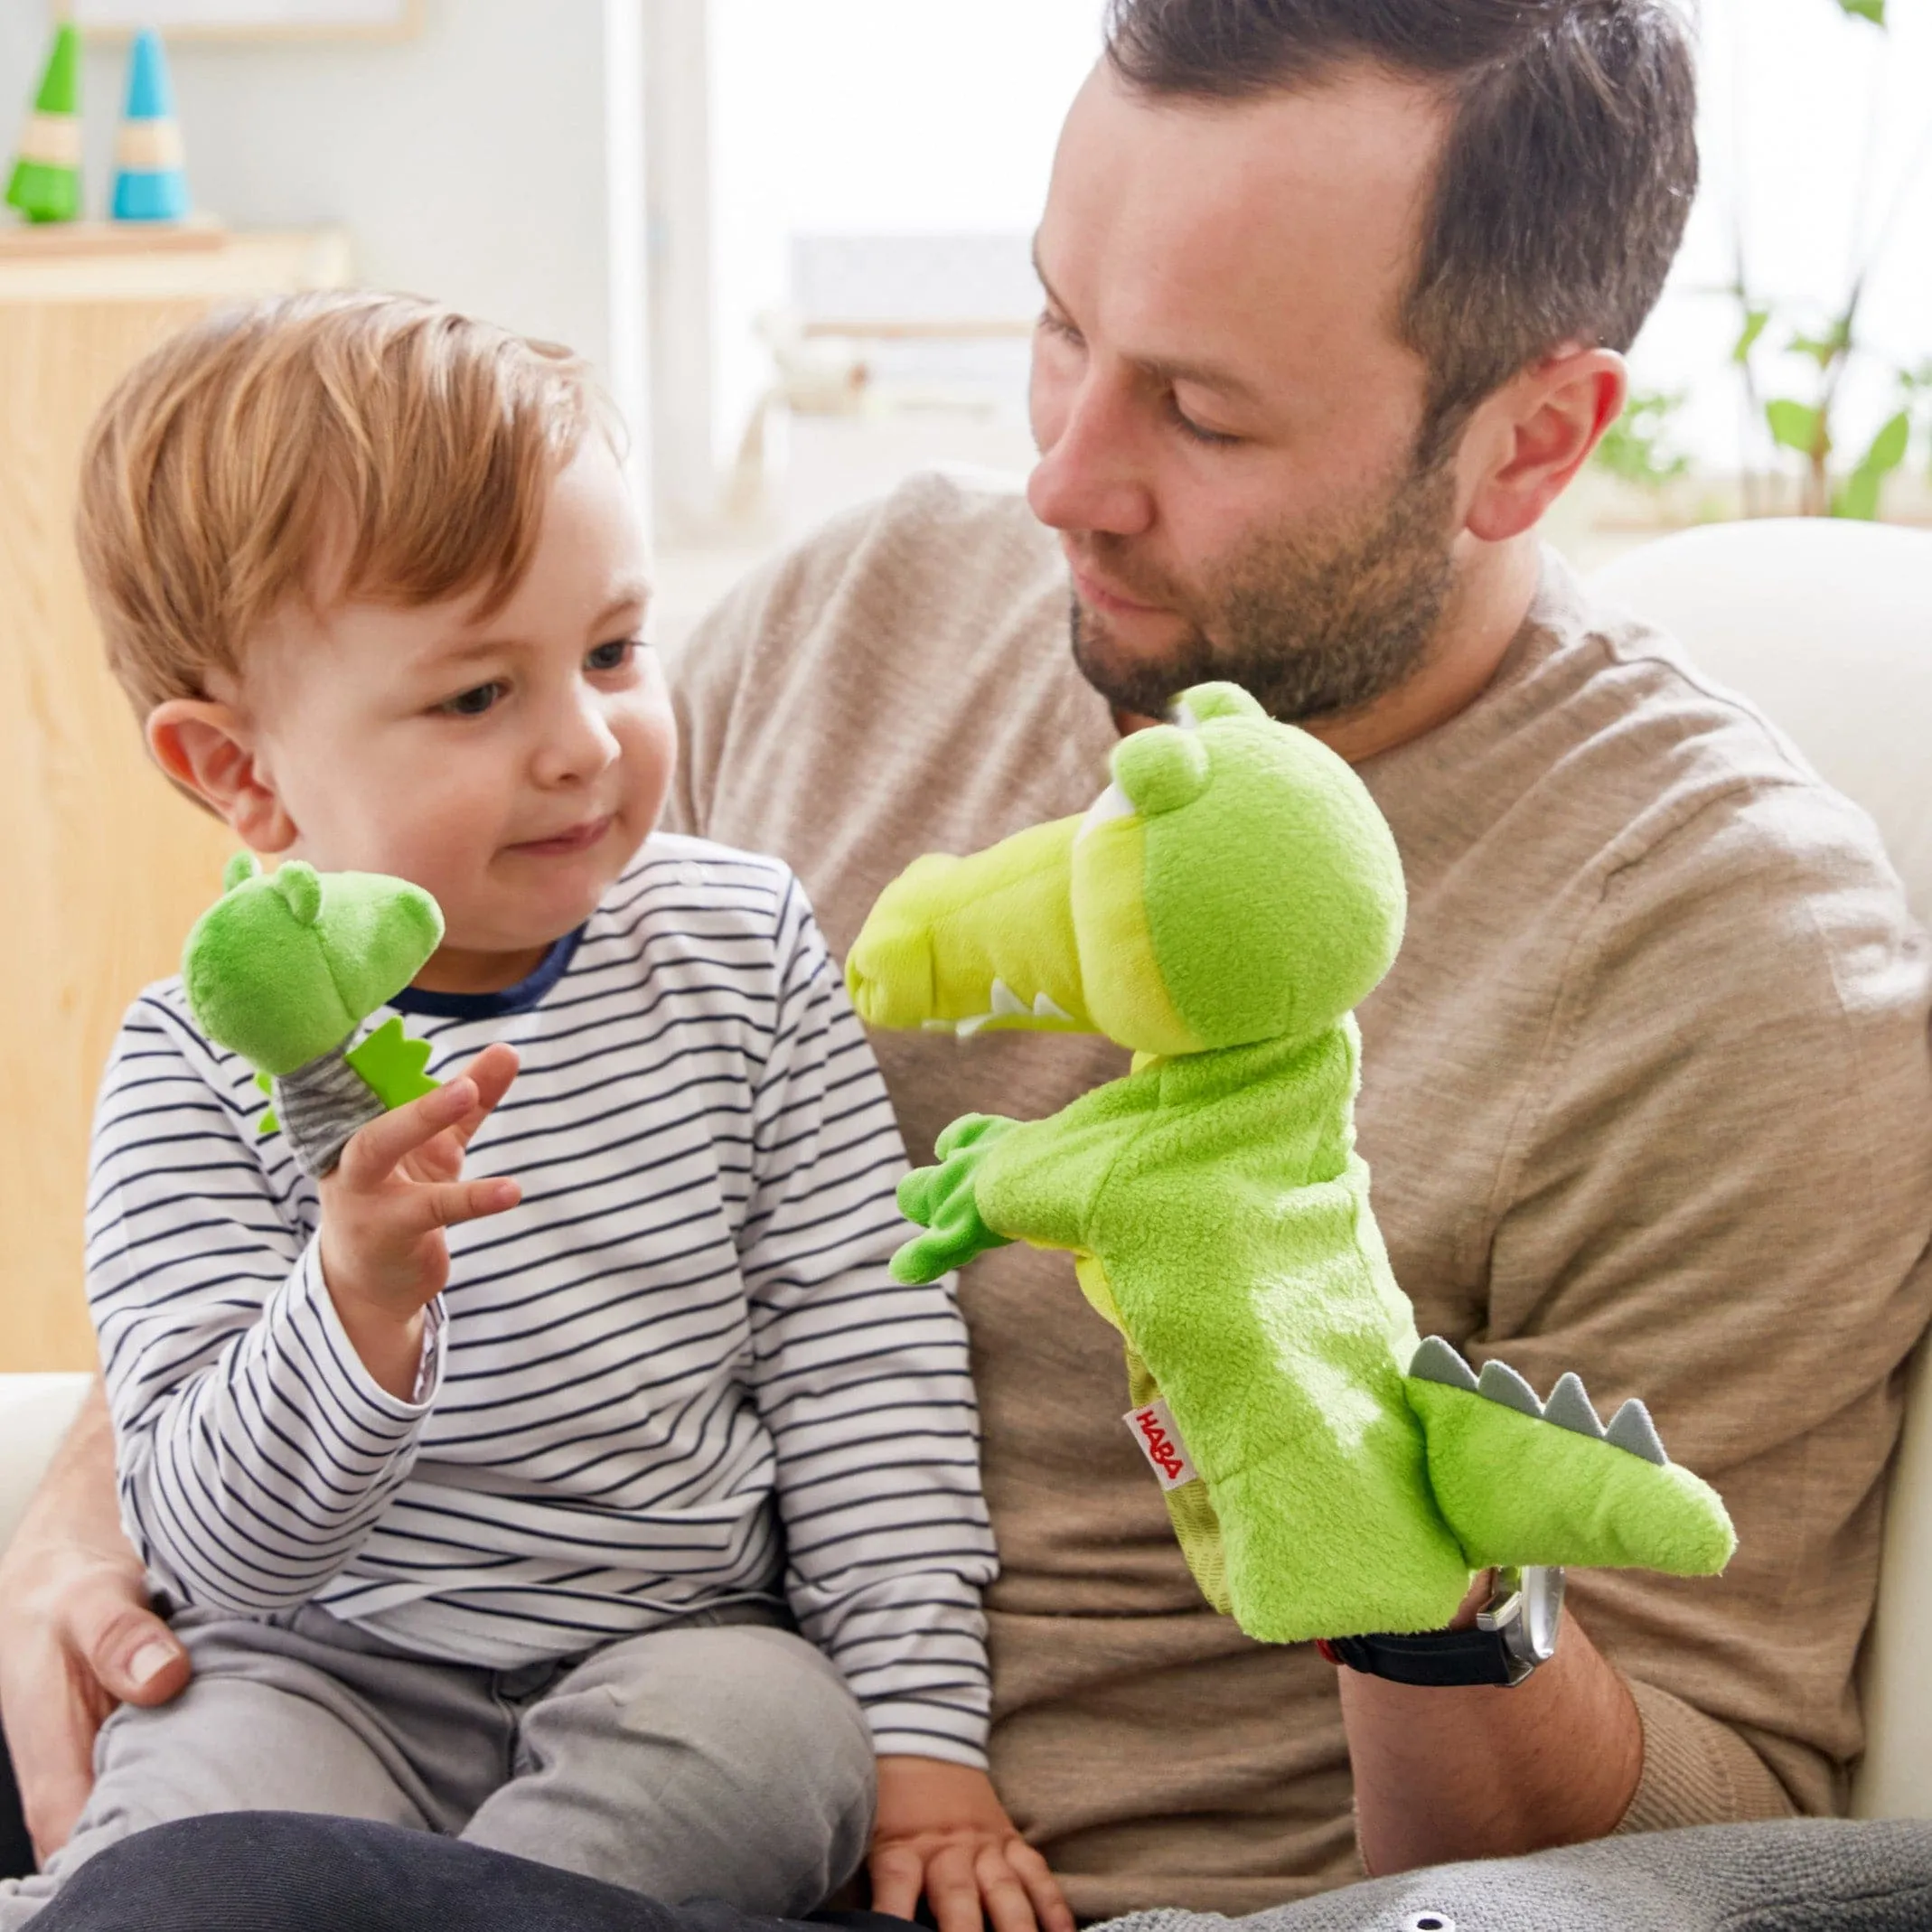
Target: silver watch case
<point x="1525" y="1609"/>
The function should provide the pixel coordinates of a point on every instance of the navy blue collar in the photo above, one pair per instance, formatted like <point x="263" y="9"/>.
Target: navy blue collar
<point x="518" y="999"/>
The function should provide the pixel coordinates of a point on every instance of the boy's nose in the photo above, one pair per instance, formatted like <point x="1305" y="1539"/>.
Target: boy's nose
<point x="579" y="744"/>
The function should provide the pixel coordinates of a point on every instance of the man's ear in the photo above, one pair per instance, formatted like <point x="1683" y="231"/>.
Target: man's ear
<point x="1536" y="433"/>
<point x="207" y="748"/>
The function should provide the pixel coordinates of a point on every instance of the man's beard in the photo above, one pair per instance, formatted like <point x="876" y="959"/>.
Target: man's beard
<point x="1313" y="623"/>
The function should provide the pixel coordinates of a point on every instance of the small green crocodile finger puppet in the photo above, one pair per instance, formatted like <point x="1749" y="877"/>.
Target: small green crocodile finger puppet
<point x="1221" y="910"/>
<point x="286" y="966"/>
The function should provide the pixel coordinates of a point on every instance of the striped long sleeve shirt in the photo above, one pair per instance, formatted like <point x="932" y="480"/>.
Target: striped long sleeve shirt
<point x="678" y="1376"/>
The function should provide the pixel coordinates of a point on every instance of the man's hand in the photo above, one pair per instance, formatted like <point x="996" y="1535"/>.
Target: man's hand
<point x="942" y="1831"/>
<point x="384" y="1253"/>
<point x="76" y="1635"/>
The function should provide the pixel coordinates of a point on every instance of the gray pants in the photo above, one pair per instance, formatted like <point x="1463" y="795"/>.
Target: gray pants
<point x="717" y="1757"/>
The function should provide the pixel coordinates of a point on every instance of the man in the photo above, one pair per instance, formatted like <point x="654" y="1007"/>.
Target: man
<point x="1336" y="294"/>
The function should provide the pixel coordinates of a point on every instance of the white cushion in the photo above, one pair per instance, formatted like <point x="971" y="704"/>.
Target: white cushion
<point x="1827" y="628"/>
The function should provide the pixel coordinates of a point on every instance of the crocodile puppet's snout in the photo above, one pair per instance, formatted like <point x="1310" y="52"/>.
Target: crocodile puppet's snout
<point x="960" y="944"/>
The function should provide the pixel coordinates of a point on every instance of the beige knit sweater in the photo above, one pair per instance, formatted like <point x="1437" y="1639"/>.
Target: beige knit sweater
<point x="1647" y="1096"/>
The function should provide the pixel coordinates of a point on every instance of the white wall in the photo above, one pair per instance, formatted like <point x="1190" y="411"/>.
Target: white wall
<point x="473" y="164"/>
<point x="1807" y="115"/>
<point x="896" y="115"/>
<point x="873" y="117"/>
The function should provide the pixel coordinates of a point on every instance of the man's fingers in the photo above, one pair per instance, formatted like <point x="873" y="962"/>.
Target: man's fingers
<point x="952" y="1888"/>
<point x="897" y="1872"/>
<point x="137" y="1658"/>
<point x="1049" y="1902"/>
<point x="50" y="1736"/>
<point x="52" y="1795"/>
<point x="55" y="1698"/>
<point x="371" y="1153"/>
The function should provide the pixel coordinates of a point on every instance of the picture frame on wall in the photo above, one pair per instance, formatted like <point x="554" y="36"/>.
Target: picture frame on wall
<point x="242" y="20"/>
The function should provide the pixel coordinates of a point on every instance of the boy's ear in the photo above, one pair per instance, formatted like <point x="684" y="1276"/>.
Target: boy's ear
<point x="206" y="748"/>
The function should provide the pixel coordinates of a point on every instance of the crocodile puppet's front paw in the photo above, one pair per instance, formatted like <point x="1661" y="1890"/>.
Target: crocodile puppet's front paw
<point x="943" y="1200"/>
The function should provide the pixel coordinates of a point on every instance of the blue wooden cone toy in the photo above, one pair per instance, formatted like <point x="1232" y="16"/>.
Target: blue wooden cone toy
<point x="149" y="181"/>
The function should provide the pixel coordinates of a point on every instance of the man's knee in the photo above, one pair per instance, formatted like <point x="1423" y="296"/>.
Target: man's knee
<point x="276" y="1872"/>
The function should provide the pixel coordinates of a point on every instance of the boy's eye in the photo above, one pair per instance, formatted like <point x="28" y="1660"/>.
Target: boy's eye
<point x="613" y="656"/>
<point x="474" y="702"/>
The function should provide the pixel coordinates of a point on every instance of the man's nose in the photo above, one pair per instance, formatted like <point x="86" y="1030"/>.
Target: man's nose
<point x="579" y="744"/>
<point x="1092" y="475"/>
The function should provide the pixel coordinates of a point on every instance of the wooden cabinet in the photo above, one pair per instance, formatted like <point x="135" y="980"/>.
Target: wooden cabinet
<point x="103" y="866"/>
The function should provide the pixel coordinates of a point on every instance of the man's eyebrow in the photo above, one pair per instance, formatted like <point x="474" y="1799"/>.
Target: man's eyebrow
<point x="1201" y="375"/>
<point x="1039" y="272"/>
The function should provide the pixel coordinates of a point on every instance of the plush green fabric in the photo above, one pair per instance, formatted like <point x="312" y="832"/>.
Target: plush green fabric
<point x="285" y="966"/>
<point x="1221" y="910"/>
<point x="389" y="1063"/>
<point x="1521" y="1490"/>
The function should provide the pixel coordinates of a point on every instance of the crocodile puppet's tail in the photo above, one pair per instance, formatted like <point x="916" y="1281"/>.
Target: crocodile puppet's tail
<point x="1521" y="1481"/>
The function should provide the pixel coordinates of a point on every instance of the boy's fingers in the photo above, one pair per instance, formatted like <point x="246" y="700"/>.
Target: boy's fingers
<point x="371" y="1152"/>
<point x="444" y="1205"/>
<point x="1007" y="1904"/>
<point x="492" y="1072"/>
<point x="953" y="1889"/>
<point x="896" y="1872"/>
<point x="1049" y="1902"/>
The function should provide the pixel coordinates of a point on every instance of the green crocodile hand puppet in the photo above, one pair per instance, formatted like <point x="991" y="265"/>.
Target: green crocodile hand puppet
<point x="285" y="967"/>
<point x="1221" y="910"/>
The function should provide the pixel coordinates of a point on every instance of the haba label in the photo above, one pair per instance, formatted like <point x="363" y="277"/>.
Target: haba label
<point x="1161" y="1442"/>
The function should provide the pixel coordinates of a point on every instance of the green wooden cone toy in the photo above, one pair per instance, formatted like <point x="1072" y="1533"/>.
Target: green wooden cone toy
<point x="45" y="184"/>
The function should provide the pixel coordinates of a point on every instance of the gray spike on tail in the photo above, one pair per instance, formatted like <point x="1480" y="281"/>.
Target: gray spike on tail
<point x="1570" y="1407"/>
<point x="1436" y="1360"/>
<point x="1501" y="1384"/>
<point x="1631" y="1428"/>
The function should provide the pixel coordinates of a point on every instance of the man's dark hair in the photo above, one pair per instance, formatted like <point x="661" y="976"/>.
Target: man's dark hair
<point x="1565" y="179"/>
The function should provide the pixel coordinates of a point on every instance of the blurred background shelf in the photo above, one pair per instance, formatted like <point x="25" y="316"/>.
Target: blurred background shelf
<point x="104" y="867"/>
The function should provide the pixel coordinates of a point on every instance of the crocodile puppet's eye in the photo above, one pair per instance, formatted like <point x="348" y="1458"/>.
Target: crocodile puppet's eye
<point x="1163" y="769"/>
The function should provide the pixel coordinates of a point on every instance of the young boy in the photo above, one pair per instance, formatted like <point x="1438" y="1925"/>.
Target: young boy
<point x="563" y="1470"/>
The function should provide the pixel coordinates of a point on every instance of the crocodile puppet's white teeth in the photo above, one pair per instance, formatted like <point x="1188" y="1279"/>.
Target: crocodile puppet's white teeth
<point x="1006" y="1003"/>
<point x="1112" y="803"/>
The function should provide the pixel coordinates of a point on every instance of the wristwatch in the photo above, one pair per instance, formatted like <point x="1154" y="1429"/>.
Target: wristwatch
<point x="1513" y="1632"/>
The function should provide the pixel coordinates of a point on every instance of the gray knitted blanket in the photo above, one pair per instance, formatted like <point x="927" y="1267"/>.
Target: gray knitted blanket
<point x="1809" y="1875"/>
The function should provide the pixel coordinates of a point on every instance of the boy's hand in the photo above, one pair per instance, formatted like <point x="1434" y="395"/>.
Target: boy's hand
<point x="398" y="1186"/>
<point x="942" y="1831"/>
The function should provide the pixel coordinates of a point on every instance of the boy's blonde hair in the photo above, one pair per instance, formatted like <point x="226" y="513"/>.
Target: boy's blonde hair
<point x="405" y="449"/>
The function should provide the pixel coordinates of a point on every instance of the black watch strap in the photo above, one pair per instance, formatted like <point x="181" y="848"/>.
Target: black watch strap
<point x="1437" y="1658"/>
